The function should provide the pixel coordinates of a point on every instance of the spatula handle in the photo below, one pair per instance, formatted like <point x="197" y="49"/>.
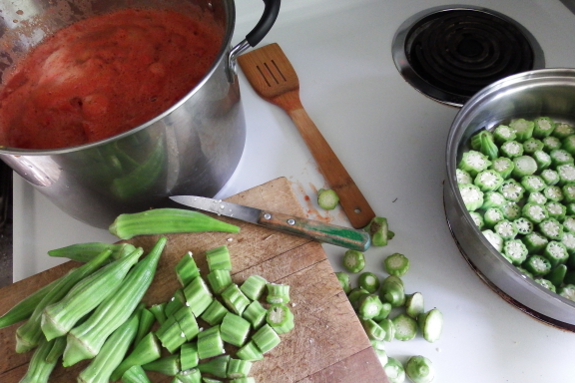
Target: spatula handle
<point x="351" y="199"/>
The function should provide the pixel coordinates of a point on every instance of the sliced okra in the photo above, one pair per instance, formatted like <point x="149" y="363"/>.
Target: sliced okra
<point x="543" y="127"/>
<point x="503" y="165"/>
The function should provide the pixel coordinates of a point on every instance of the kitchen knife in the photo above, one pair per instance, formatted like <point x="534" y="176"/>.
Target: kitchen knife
<point x="320" y="231"/>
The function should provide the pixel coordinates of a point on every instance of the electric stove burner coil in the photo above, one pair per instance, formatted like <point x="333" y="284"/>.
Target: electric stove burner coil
<point x="451" y="54"/>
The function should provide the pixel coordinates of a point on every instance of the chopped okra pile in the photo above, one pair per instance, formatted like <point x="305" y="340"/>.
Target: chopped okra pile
<point x="388" y="312"/>
<point x="518" y="183"/>
<point x="211" y="330"/>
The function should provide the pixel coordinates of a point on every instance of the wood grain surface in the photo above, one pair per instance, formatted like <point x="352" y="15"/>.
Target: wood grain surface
<point x="328" y="343"/>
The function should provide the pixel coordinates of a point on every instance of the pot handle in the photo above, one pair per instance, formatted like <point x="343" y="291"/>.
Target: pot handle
<point x="269" y="16"/>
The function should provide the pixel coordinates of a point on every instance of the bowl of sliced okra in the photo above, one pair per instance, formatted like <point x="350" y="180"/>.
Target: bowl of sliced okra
<point x="509" y="195"/>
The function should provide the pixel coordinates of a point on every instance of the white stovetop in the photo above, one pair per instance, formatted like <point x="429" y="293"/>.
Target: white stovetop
<point x="392" y="141"/>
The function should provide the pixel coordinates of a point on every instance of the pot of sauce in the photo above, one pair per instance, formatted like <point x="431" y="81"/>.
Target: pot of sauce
<point x="116" y="135"/>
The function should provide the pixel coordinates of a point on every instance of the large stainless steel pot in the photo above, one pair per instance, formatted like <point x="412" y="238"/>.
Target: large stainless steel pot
<point x="546" y="92"/>
<point x="192" y="148"/>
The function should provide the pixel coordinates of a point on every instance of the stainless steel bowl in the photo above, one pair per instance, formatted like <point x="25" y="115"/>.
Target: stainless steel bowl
<point x="546" y="92"/>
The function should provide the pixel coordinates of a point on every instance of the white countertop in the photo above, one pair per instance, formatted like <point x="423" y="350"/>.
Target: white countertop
<point x="392" y="141"/>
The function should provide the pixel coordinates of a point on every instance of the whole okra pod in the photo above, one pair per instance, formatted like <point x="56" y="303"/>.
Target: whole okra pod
<point x="113" y="351"/>
<point x="145" y="351"/>
<point x="86" y="340"/>
<point x="167" y="220"/>
<point x="43" y="361"/>
<point x="84" y="252"/>
<point x="23" y="309"/>
<point x="29" y="334"/>
<point x="60" y="317"/>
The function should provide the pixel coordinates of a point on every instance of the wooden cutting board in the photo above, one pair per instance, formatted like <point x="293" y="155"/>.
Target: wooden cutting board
<point x="328" y="343"/>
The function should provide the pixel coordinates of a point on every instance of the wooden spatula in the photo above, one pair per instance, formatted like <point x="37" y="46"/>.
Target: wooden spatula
<point x="272" y="76"/>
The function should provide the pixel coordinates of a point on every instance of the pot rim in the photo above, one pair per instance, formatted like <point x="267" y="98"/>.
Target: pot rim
<point x="546" y="300"/>
<point x="230" y="20"/>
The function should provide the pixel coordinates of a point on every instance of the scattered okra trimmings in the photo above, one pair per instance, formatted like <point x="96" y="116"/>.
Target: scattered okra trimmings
<point x="380" y="234"/>
<point x="518" y="184"/>
<point x="388" y="312"/>
<point x="211" y="330"/>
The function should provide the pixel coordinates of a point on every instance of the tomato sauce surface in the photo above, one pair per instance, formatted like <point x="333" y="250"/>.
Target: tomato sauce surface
<point x="104" y="75"/>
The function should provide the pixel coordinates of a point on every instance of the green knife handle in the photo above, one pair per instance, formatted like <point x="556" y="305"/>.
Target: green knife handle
<point x="320" y="231"/>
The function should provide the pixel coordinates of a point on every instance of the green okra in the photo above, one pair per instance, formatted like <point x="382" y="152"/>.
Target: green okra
<point x="343" y="279"/>
<point x="250" y="351"/>
<point x="353" y="261"/>
<point x="24" y="309"/>
<point x="387" y="325"/>
<point x="254" y="287"/>
<point x="210" y="343"/>
<point x="394" y="370"/>
<point x="384" y="312"/>
<point x="86" y="340"/>
<point x="327" y="199"/>
<point x="420" y="369"/>
<point x="167" y="365"/>
<point x="378" y="229"/>
<point x="234" y="299"/>
<point x="217" y="366"/>
<point x="369" y="306"/>
<point x="135" y="374"/>
<point x="147" y="320"/>
<point x="171" y="334"/>
<point x="266" y="338"/>
<point x="280" y="318"/>
<point x="546" y="283"/>
<point x="214" y="314"/>
<point x="198" y="295"/>
<point x="167" y="220"/>
<point x="238" y="368"/>
<point x="392" y="291"/>
<point x="484" y="142"/>
<point x="60" y="317"/>
<point x="189" y="376"/>
<point x="247" y="379"/>
<point x="29" y="334"/>
<point x="83" y="252"/>
<point x="405" y="327"/>
<point x="255" y="313"/>
<point x="368" y="281"/>
<point x="57" y="350"/>
<point x="234" y="329"/>
<point x="431" y="324"/>
<point x="187" y="321"/>
<point x="557" y="275"/>
<point x="219" y="280"/>
<point x="396" y="264"/>
<point x="278" y="293"/>
<point x="189" y="356"/>
<point x="187" y="269"/>
<point x="39" y="369"/>
<point x="219" y="258"/>
<point x="177" y="301"/>
<point x="145" y="351"/>
<point x="373" y="330"/>
<point x="414" y="304"/>
<point x="205" y="379"/>
<point x="158" y="311"/>
<point x="112" y="353"/>
<point x="356" y="295"/>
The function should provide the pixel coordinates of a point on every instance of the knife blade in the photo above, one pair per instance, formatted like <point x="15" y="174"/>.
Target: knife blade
<point x="333" y="234"/>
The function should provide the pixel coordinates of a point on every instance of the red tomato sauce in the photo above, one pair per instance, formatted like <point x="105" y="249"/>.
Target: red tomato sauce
<point x="104" y="75"/>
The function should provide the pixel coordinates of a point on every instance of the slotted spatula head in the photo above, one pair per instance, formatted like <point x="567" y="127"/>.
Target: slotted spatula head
<point x="269" y="71"/>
